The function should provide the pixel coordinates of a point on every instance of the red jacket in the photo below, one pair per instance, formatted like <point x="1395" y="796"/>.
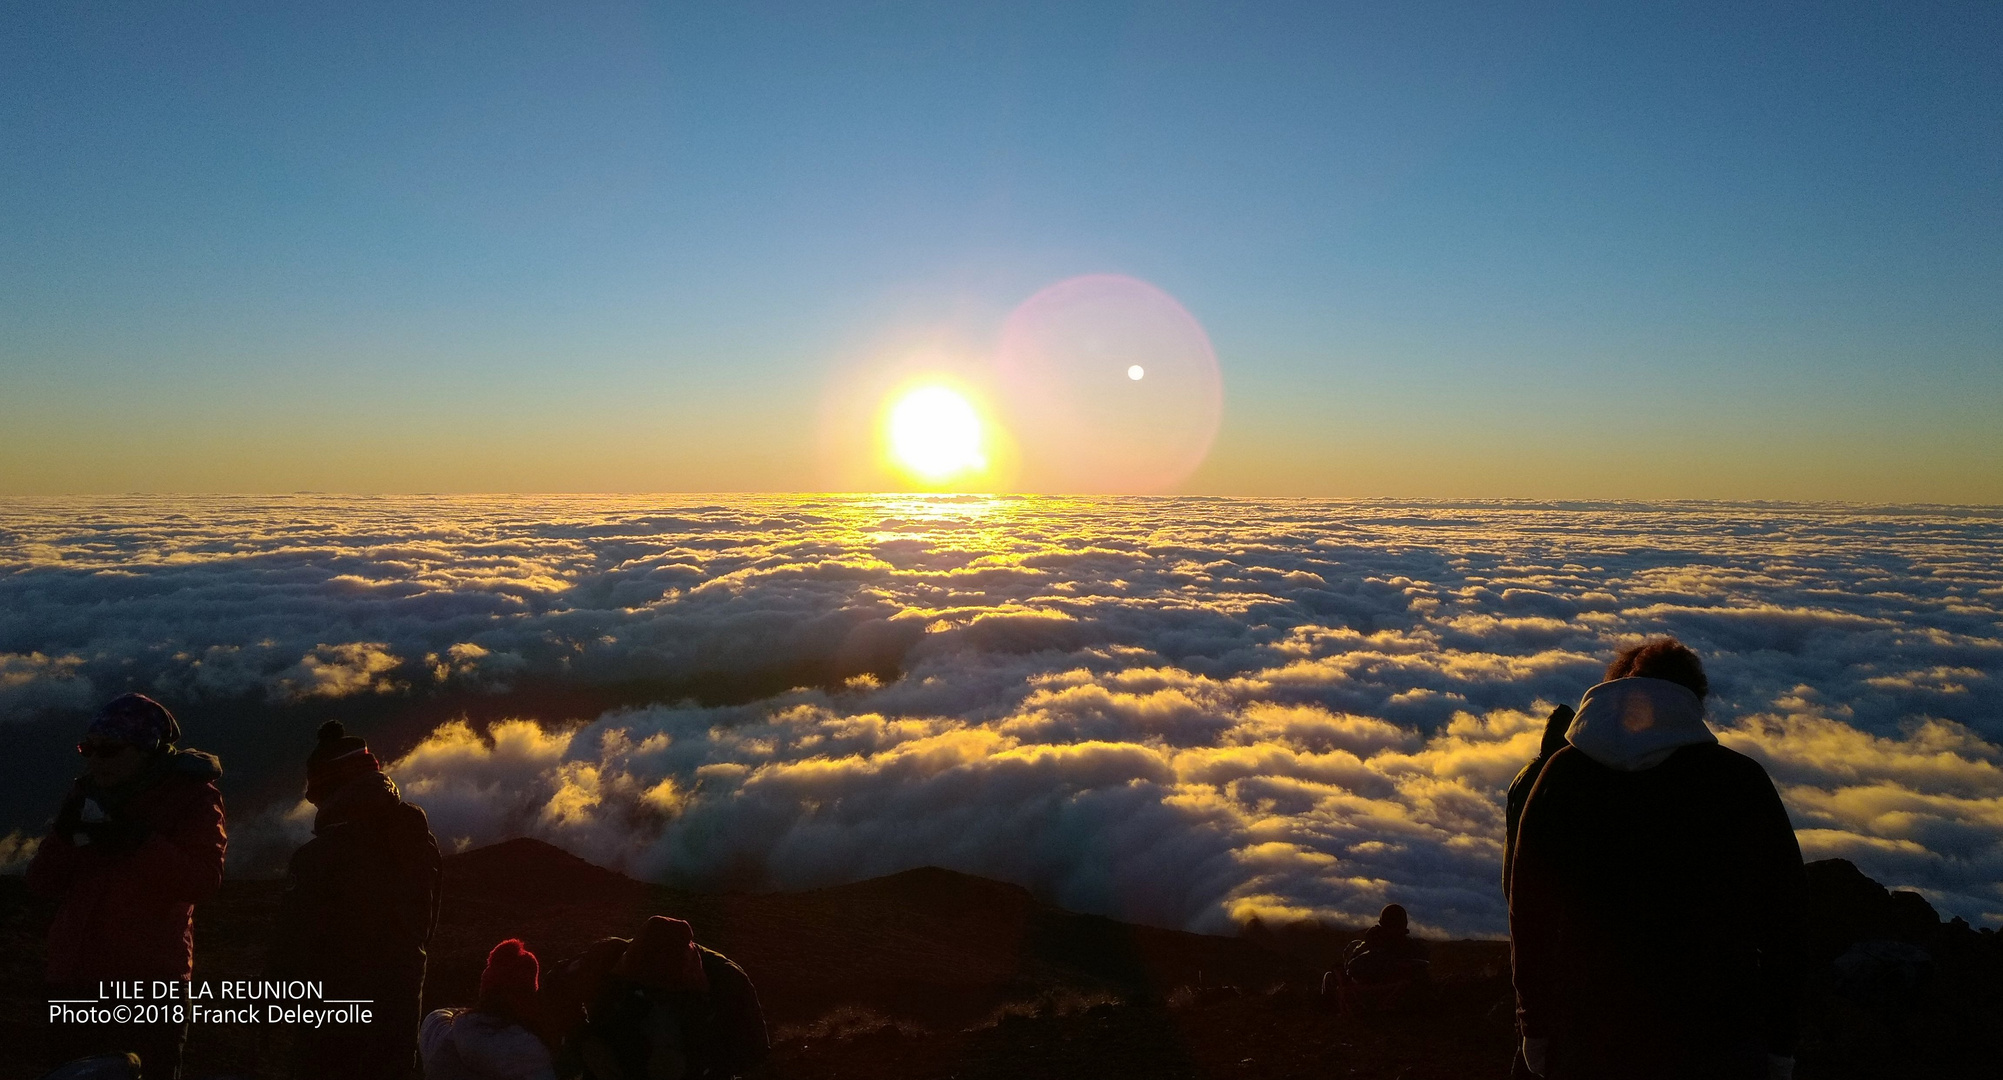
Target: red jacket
<point x="131" y="915"/>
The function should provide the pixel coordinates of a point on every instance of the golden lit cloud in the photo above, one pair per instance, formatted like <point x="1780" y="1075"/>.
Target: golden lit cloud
<point x="1181" y="710"/>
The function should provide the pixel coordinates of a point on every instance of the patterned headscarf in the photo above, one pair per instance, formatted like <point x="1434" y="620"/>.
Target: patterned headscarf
<point x="137" y="720"/>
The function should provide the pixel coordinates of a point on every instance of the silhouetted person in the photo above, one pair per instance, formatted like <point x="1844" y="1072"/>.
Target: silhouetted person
<point x="660" y="1006"/>
<point x="138" y="842"/>
<point x="1387" y="952"/>
<point x="494" y="1040"/>
<point x="1519" y="793"/>
<point x="1555" y="727"/>
<point x="360" y="902"/>
<point x="1657" y="894"/>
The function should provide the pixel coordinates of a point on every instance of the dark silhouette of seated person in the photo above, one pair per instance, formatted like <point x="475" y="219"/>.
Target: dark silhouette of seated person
<point x="1387" y="953"/>
<point x="657" y="1007"/>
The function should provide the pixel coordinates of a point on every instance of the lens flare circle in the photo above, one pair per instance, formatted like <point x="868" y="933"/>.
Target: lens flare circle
<point x="936" y="434"/>
<point x="1109" y="386"/>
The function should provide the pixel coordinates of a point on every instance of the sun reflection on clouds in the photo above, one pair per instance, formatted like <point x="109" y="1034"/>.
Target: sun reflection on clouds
<point x="1182" y="710"/>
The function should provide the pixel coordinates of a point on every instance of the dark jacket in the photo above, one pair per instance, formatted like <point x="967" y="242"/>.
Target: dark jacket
<point x="718" y="1032"/>
<point x="1658" y="894"/>
<point x="125" y="909"/>
<point x="1519" y="788"/>
<point x="1388" y="943"/>
<point x="360" y="904"/>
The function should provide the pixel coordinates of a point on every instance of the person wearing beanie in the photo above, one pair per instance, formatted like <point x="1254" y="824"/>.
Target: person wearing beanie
<point x="494" y="1040"/>
<point x="656" y="1005"/>
<point x="1638" y="839"/>
<point x="360" y="904"/>
<point x="137" y="843"/>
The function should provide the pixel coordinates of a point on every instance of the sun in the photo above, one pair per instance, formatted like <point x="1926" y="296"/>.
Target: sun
<point x="936" y="435"/>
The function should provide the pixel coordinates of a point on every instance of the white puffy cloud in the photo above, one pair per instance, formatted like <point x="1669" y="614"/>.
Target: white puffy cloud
<point x="1183" y="710"/>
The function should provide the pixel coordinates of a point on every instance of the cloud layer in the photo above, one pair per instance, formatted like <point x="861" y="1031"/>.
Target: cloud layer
<point x="1186" y="711"/>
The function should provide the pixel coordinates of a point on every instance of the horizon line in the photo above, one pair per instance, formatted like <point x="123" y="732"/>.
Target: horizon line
<point x="1009" y="495"/>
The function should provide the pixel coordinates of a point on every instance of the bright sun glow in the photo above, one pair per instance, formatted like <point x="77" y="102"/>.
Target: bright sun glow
<point x="936" y="434"/>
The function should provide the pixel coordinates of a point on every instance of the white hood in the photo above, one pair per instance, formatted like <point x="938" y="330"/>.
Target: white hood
<point x="1635" y="724"/>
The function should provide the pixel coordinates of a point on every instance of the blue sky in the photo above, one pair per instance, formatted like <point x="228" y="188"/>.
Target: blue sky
<point x="1450" y="250"/>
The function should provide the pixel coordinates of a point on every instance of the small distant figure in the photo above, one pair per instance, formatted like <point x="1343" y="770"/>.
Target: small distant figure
<point x="138" y="842"/>
<point x="494" y="1040"/>
<point x="1387" y="952"/>
<point x="1657" y="893"/>
<point x="360" y="903"/>
<point x="658" y="1007"/>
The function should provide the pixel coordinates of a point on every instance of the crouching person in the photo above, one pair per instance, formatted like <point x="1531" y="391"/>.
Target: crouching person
<point x="659" y="1007"/>
<point x="139" y="842"/>
<point x="494" y="1040"/>
<point x="360" y="903"/>
<point x="1388" y="953"/>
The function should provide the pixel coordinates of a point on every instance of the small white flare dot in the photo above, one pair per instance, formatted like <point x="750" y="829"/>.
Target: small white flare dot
<point x="1135" y="373"/>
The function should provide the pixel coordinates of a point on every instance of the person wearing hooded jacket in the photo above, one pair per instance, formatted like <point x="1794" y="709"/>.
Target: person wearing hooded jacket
<point x="1657" y="892"/>
<point x="359" y="907"/>
<point x="493" y="1040"/>
<point x="138" y="842"/>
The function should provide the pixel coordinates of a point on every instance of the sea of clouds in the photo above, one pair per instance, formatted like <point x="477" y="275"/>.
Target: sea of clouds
<point x="1180" y="711"/>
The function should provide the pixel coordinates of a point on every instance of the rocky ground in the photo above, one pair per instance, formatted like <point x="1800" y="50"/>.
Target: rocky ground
<point x="941" y="976"/>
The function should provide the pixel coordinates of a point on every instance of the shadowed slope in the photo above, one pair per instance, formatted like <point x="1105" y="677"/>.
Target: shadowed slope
<point x="930" y="973"/>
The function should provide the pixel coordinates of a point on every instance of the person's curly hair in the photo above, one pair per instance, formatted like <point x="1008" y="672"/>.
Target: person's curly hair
<point x="1662" y="658"/>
